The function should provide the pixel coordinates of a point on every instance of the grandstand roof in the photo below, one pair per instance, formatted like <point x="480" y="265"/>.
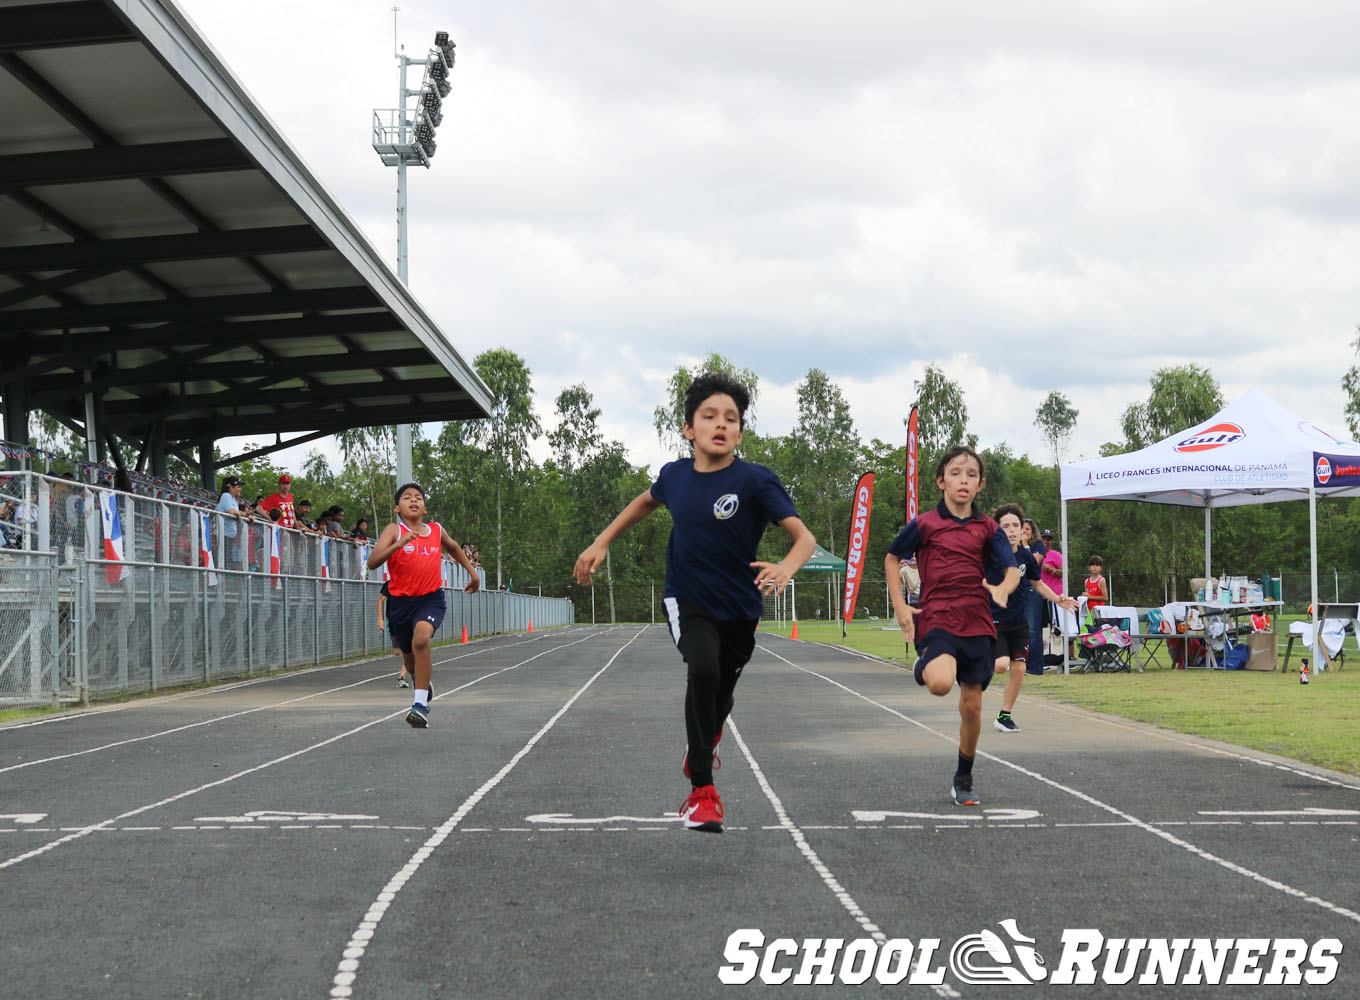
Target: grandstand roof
<point x="164" y="248"/>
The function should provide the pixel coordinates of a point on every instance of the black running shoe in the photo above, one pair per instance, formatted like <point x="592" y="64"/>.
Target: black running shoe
<point x="963" y="790"/>
<point x="918" y="671"/>
<point x="1005" y="723"/>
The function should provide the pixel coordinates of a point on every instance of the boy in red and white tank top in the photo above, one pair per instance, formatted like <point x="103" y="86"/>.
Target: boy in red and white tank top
<point x="1097" y="593"/>
<point x="415" y="606"/>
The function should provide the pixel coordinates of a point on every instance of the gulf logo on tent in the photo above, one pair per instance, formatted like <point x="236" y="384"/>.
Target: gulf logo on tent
<point x="1324" y="470"/>
<point x="1212" y="437"/>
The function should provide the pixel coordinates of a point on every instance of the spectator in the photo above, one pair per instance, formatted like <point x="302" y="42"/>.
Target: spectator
<point x="25" y="522"/>
<point x="279" y="505"/>
<point x="304" y="515"/>
<point x="182" y="548"/>
<point x="1051" y="573"/>
<point x="336" y="526"/>
<point x="323" y="523"/>
<point x="229" y="504"/>
<point x="9" y="531"/>
<point x="360" y="532"/>
<point x="1035" y="606"/>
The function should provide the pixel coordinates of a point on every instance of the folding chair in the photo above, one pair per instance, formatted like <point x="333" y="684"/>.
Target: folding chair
<point x="1333" y="639"/>
<point x="1108" y="642"/>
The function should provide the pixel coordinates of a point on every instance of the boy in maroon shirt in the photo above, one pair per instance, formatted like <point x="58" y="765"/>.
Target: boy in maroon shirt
<point x="954" y="546"/>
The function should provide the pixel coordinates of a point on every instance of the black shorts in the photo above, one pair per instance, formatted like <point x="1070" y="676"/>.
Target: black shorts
<point x="972" y="653"/>
<point x="404" y="612"/>
<point x="1012" y="641"/>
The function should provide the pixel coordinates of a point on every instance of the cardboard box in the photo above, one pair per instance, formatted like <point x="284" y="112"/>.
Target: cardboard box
<point x="1265" y="653"/>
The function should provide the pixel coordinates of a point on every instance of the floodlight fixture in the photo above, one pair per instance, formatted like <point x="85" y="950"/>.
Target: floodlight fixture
<point x="431" y="105"/>
<point x="445" y="47"/>
<point x="403" y="137"/>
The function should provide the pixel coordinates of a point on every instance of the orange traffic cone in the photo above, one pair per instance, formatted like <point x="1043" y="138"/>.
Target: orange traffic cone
<point x="795" y="630"/>
<point x="465" y="638"/>
<point x="531" y="624"/>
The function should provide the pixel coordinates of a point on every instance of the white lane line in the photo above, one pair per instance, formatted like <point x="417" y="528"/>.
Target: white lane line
<point x="804" y="848"/>
<point x="1147" y="730"/>
<point x="262" y="708"/>
<point x="185" y="727"/>
<point x="348" y="969"/>
<point x="106" y="824"/>
<point x="800" y="841"/>
<point x="1170" y="838"/>
<point x="157" y="698"/>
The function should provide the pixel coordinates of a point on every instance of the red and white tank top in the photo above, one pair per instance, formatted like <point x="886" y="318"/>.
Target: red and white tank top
<point x="1093" y="588"/>
<point x="415" y="568"/>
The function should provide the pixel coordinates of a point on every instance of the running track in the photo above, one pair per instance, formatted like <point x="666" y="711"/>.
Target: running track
<point x="292" y="837"/>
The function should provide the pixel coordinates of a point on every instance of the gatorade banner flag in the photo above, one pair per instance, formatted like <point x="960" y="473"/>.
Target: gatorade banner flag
<point x="861" y="506"/>
<point x="205" y="552"/>
<point x="113" y="537"/>
<point x="913" y="474"/>
<point x="274" y="555"/>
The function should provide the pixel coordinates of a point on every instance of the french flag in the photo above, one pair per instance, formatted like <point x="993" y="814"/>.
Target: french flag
<point x="205" y="552"/>
<point x="113" y="537"/>
<point x="326" y="565"/>
<point x="274" y="556"/>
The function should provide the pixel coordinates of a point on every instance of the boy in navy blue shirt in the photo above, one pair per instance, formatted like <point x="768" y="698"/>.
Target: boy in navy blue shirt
<point x="719" y="507"/>
<point x="956" y="547"/>
<point x="1012" y="630"/>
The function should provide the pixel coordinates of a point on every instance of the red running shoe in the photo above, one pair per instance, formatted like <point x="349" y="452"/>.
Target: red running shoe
<point x="703" y="810"/>
<point x="717" y="761"/>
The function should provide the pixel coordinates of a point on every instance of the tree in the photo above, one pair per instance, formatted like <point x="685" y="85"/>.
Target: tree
<point x="577" y="436"/>
<point x="1056" y="419"/>
<point x="825" y="447"/>
<point x="370" y="455"/>
<point x="1351" y="383"/>
<point x="591" y="470"/>
<point x="1182" y="396"/>
<point x="943" y="420"/>
<point x="668" y="419"/>
<point x="504" y="437"/>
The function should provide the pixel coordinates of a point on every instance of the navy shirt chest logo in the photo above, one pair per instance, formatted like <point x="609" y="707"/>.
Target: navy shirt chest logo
<point x="725" y="506"/>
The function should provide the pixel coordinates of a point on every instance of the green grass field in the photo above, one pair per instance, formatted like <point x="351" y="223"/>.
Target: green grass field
<point x="1318" y="723"/>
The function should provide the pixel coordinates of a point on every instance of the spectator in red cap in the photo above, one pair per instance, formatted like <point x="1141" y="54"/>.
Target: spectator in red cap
<point x="279" y="506"/>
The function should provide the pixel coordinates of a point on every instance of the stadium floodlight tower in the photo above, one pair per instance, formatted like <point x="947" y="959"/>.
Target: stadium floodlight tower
<point x="404" y="136"/>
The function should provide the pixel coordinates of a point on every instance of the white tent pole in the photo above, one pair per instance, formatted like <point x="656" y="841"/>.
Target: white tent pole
<point x="1208" y="510"/>
<point x="1312" y="553"/>
<point x="1067" y="558"/>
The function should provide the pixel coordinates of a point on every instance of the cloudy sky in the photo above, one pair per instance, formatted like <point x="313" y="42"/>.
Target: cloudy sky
<point x="1051" y="195"/>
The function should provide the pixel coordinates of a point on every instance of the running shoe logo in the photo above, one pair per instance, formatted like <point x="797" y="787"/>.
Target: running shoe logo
<point x="1019" y="965"/>
<point x="725" y="506"/>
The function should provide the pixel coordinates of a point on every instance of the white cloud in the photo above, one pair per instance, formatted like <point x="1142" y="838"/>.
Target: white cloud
<point x="1059" y="195"/>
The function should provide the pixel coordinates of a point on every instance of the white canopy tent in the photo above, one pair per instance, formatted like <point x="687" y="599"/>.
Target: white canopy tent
<point x="1251" y="451"/>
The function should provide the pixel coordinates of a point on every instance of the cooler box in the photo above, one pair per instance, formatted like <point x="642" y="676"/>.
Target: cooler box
<point x="1265" y="654"/>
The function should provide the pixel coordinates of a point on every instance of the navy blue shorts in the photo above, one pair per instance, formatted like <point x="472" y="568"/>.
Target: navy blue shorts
<point x="1012" y="641"/>
<point x="973" y="653"/>
<point x="404" y="612"/>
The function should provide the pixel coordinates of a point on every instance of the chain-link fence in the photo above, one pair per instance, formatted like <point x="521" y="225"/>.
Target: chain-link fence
<point x="193" y="596"/>
<point x="814" y="598"/>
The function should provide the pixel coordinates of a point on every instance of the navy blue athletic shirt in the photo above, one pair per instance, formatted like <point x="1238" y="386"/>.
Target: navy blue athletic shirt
<point x="1014" y="611"/>
<point x="718" y="518"/>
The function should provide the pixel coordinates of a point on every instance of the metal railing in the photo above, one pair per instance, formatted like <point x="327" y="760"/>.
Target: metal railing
<point x="76" y="625"/>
